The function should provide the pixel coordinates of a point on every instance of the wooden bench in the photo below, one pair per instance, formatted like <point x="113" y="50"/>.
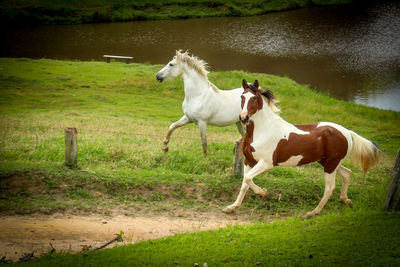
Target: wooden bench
<point x="127" y="59"/>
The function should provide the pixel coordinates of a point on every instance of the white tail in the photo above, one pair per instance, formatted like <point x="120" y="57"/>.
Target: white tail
<point x="364" y="152"/>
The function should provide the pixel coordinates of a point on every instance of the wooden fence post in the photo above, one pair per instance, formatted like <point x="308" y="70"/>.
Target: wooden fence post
<point x="71" y="147"/>
<point x="238" y="164"/>
<point x="393" y="196"/>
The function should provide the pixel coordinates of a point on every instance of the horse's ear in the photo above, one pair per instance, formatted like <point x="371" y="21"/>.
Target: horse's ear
<point x="256" y="85"/>
<point x="245" y="85"/>
<point x="268" y="94"/>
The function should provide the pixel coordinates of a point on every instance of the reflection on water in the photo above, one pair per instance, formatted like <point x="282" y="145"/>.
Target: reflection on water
<point x="351" y="52"/>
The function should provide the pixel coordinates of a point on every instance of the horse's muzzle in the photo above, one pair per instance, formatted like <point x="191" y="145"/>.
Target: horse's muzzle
<point x="159" y="78"/>
<point x="245" y="121"/>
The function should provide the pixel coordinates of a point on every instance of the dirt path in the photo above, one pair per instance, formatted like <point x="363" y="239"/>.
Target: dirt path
<point x="27" y="233"/>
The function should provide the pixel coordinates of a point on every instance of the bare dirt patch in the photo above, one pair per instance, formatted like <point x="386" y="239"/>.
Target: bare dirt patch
<point x="34" y="233"/>
<point x="16" y="182"/>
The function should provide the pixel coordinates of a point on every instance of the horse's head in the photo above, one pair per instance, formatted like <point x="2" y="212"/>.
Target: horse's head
<point x="171" y="70"/>
<point x="252" y="100"/>
<point x="180" y="63"/>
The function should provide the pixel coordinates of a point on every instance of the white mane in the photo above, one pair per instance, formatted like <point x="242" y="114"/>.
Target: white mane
<point x="193" y="62"/>
<point x="273" y="107"/>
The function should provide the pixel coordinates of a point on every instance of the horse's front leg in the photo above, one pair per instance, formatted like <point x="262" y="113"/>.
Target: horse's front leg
<point x="249" y="174"/>
<point x="181" y="122"/>
<point x="203" y="133"/>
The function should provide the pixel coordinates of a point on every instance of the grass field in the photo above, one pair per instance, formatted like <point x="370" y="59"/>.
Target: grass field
<point x="122" y="114"/>
<point x="351" y="239"/>
<point x="75" y="12"/>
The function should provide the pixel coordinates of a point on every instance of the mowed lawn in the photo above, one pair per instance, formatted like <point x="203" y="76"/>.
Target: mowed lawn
<point x="122" y="114"/>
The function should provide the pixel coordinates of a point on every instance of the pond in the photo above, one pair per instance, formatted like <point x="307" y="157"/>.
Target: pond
<point x="351" y="52"/>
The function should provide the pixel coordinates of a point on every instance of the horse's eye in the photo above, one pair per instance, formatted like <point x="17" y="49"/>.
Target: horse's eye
<point x="254" y="99"/>
<point x="171" y="65"/>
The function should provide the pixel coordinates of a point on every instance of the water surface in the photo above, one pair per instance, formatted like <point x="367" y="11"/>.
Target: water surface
<point x="351" y="52"/>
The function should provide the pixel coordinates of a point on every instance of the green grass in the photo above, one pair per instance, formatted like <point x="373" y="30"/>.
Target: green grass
<point x="74" y="12"/>
<point x="122" y="114"/>
<point x="354" y="238"/>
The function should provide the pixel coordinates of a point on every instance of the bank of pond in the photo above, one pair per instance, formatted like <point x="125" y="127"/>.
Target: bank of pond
<point x="76" y="12"/>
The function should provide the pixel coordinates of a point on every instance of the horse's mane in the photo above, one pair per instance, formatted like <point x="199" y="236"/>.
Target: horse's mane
<point x="273" y="107"/>
<point x="268" y="94"/>
<point x="271" y="101"/>
<point x="193" y="62"/>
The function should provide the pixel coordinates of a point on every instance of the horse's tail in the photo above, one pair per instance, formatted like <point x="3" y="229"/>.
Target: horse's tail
<point x="364" y="152"/>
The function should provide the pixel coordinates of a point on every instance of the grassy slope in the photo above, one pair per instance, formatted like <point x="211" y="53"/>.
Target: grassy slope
<point x="122" y="114"/>
<point x="73" y="12"/>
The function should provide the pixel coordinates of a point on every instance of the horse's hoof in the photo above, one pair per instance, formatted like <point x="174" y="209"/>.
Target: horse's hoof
<point x="228" y="210"/>
<point x="265" y="193"/>
<point x="310" y="215"/>
<point x="348" y="202"/>
<point x="165" y="149"/>
<point x="307" y="217"/>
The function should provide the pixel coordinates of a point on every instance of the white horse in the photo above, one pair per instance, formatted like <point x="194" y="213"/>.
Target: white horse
<point x="204" y="103"/>
<point x="271" y="141"/>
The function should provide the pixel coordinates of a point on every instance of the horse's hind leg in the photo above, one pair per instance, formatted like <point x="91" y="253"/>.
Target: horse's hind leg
<point x="329" y="187"/>
<point x="203" y="133"/>
<point x="181" y="122"/>
<point x="345" y="174"/>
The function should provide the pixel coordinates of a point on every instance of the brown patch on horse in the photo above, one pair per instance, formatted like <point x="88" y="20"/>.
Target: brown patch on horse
<point x="254" y="89"/>
<point x="247" y="148"/>
<point x="324" y="144"/>
<point x="254" y="104"/>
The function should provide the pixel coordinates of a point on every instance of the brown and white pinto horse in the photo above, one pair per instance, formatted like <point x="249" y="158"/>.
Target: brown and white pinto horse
<point x="271" y="141"/>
